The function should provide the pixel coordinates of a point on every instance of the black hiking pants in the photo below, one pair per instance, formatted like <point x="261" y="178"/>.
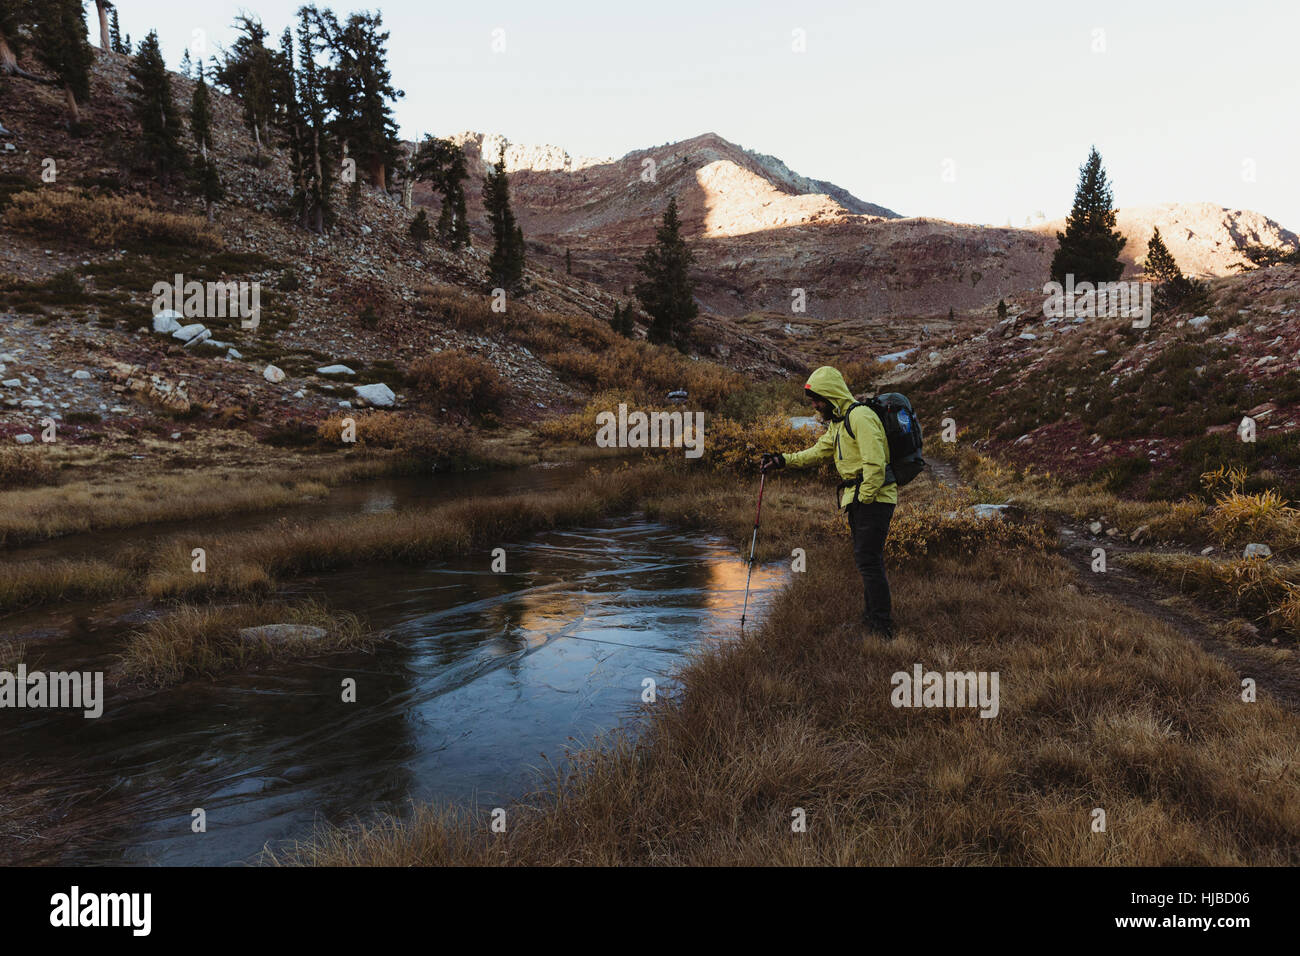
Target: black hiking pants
<point x="869" y="525"/>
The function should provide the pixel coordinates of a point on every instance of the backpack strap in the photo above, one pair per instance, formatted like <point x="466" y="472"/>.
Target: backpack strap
<point x="847" y="412"/>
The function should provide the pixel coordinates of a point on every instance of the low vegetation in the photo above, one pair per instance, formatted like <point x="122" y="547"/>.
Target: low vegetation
<point x="1096" y="710"/>
<point x="194" y="641"/>
<point x="107" y="222"/>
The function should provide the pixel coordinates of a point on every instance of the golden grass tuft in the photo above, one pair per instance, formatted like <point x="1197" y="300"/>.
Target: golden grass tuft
<point x="204" y="641"/>
<point x="108" y="222"/>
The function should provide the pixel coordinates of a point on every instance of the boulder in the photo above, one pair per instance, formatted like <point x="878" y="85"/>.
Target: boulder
<point x="188" y="332"/>
<point x="282" y="633"/>
<point x="166" y="321"/>
<point x="24" y="439"/>
<point x="273" y="374"/>
<point x="199" y="339"/>
<point x="378" y="394"/>
<point x="335" y="370"/>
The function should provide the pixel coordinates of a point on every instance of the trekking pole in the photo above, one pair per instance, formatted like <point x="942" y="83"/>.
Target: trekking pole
<point x="762" y="477"/>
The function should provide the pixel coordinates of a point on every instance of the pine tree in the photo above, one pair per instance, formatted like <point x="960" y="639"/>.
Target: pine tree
<point x="154" y="108"/>
<point x="1090" y="246"/>
<point x="441" y="163"/>
<point x="420" y="228"/>
<point x="667" y="293"/>
<point x="568" y="262"/>
<point x="15" y="19"/>
<point x="313" y="203"/>
<point x="359" y="88"/>
<point x="187" y="65"/>
<point x="1002" y="309"/>
<point x="62" y="44"/>
<point x="115" y="34"/>
<point x="1173" y="289"/>
<point x="207" y="179"/>
<point x="249" y="73"/>
<point x="506" y="263"/>
<point x="622" y="321"/>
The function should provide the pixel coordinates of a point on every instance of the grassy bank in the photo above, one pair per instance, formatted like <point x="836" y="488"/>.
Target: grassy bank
<point x="1098" y="710"/>
<point x="204" y="641"/>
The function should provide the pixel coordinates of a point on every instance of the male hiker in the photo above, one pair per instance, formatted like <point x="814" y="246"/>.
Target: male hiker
<point x="855" y="437"/>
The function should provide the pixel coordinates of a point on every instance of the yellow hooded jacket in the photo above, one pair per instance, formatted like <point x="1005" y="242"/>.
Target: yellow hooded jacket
<point x="867" y="454"/>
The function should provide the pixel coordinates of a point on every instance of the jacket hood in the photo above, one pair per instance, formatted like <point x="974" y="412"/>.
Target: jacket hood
<point x="829" y="384"/>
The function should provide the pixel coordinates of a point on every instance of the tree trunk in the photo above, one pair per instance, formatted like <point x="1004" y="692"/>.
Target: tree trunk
<point x="377" y="178"/>
<point x="408" y="187"/>
<point x="103" y="25"/>
<point x="257" y="138"/>
<point x="9" y="64"/>
<point x="71" y="100"/>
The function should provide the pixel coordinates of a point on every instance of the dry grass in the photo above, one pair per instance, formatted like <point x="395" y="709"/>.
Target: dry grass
<point x="251" y="561"/>
<point x="108" y="502"/>
<point x="204" y="641"/>
<point x="1098" y="709"/>
<point x="27" y="583"/>
<point x="108" y="222"/>
<point x="25" y="467"/>
<point x="1266" y="591"/>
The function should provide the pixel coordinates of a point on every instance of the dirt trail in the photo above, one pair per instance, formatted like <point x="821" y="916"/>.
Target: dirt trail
<point x="1275" y="671"/>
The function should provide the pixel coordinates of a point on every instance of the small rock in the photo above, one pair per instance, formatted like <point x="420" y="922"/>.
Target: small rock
<point x="281" y="633"/>
<point x="1095" y="527"/>
<point x="24" y="439"/>
<point x="187" y="332"/>
<point x="335" y="370"/>
<point x="167" y="321"/>
<point x="1205" y="551"/>
<point x="81" y="374"/>
<point x="273" y="374"/>
<point x="1198" y="321"/>
<point x="1139" y="533"/>
<point x="234" y="354"/>
<point x="1257" y="551"/>
<point x="12" y="383"/>
<point x="176" y="436"/>
<point x="378" y="394"/>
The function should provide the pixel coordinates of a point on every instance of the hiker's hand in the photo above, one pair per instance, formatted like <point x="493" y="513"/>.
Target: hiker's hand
<point x="772" y="460"/>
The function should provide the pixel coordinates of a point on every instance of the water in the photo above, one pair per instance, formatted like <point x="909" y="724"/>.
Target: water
<point x="486" y="673"/>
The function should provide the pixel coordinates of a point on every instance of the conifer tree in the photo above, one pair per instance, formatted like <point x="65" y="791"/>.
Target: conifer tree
<point x="667" y="293"/>
<point x="313" y="203"/>
<point x="248" y="71"/>
<point x="441" y="163"/>
<point x="1090" y="246"/>
<point x="115" y="35"/>
<point x="187" y="65"/>
<point x="420" y="228"/>
<point x="207" y="179"/>
<point x="358" y="89"/>
<point x="568" y="262"/>
<point x="62" y="45"/>
<point x="1002" y="309"/>
<point x="1173" y="289"/>
<point x="151" y="102"/>
<point x="506" y="263"/>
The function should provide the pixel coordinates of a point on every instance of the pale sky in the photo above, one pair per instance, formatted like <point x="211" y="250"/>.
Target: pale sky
<point x="974" y="112"/>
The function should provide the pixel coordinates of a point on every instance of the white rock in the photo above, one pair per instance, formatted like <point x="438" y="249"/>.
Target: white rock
<point x="988" y="511"/>
<point x="176" y="436"/>
<point x="199" y="339"/>
<point x="1095" y="527"/>
<point x="167" y="321"/>
<point x="273" y="374"/>
<point x="1199" y="320"/>
<point x="81" y="374"/>
<point x="187" y="332"/>
<point x="378" y="394"/>
<point x="1207" y="550"/>
<point x="1257" y="551"/>
<point x="344" y="403"/>
<point x="12" y="383"/>
<point x="300" y="394"/>
<point x="234" y="354"/>
<point x="24" y="439"/>
<point x="335" y="370"/>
